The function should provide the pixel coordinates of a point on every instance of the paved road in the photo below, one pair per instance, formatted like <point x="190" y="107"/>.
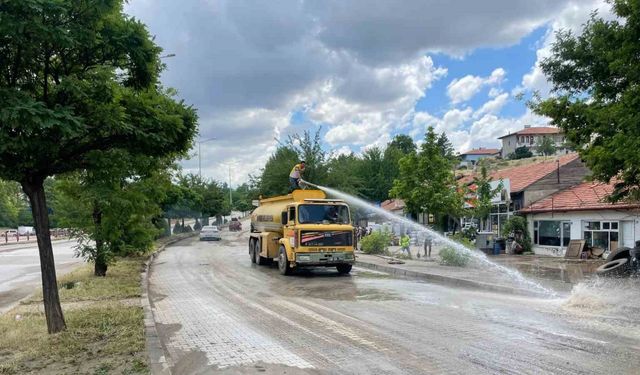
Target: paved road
<point x="20" y="269"/>
<point x="216" y="312"/>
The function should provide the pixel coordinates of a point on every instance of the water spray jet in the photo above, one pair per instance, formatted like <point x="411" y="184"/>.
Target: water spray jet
<point x="439" y="238"/>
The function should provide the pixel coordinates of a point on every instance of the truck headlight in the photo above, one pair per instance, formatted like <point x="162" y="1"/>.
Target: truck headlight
<point x="303" y="258"/>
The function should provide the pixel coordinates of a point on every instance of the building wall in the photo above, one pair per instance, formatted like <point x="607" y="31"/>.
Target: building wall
<point x="571" y="174"/>
<point x="577" y="219"/>
<point x="513" y="141"/>
<point x="472" y="159"/>
<point x="508" y="145"/>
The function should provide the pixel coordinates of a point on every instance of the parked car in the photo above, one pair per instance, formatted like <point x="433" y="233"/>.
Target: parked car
<point x="210" y="233"/>
<point x="235" y="225"/>
<point x="26" y="231"/>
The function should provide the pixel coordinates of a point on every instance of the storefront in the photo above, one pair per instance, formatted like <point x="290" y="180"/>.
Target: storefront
<point x="605" y="229"/>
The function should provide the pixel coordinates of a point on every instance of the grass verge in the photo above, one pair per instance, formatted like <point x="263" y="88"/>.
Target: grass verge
<point x="105" y="327"/>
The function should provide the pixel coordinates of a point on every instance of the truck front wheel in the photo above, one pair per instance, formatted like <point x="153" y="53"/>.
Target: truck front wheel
<point x="283" y="262"/>
<point x="344" y="268"/>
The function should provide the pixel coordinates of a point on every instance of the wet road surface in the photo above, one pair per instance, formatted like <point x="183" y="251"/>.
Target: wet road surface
<point x="20" y="269"/>
<point x="218" y="313"/>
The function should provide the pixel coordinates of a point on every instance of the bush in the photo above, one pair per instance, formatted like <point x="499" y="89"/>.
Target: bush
<point x="177" y="228"/>
<point x="376" y="243"/>
<point x="453" y="257"/>
<point x="516" y="226"/>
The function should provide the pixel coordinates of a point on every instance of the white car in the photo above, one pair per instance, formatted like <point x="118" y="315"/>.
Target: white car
<point x="210" y="233"/>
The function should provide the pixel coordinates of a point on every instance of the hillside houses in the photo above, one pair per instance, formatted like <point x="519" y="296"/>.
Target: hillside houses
<point x="530" y="137"/>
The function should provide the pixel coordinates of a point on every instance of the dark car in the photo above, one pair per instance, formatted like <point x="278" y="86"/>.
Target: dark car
<point x="235" y="225"/>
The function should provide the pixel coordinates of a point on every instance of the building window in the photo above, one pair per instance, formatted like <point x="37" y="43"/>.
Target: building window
<point x="551" y="233"/>
<point x="602" y="234"/>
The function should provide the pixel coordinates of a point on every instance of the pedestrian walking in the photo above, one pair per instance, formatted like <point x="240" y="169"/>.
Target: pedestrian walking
<point x="405" y="242"/>
<point x="427" y="246"/>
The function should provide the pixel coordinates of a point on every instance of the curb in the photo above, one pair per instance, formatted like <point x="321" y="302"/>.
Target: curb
<point x="446" y="280"/>
<point x="155" y="351"/>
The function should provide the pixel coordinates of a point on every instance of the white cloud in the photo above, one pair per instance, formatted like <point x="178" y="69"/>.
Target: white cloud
<point x="356" y="116"/>
<point x="493" y="106"/>
<point x="475" y="131"/>
<point x="356" y="67"/>
<point x="462" y="89"/>
<point x="572" y="18"/>
<point x="495" y="91"/>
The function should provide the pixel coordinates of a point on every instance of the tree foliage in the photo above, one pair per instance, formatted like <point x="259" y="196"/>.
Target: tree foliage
<point x="521" y="152"/>
<point x="426" y="182"/>
<point x="78" y="79"/>
<point x="596" y="82"/>
<point x="484" y="193"/>
<point x="546" y="146"/>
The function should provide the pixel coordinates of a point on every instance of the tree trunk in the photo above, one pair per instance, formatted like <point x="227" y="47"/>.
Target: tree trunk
<point x="52" y="310"/>
<point x="100" y="267"/>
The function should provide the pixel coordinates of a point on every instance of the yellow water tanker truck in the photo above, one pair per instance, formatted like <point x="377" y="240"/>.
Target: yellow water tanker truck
<point x="302" y="229"/>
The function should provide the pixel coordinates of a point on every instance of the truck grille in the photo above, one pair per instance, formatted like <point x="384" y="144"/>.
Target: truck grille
<point x="329" y="238"/>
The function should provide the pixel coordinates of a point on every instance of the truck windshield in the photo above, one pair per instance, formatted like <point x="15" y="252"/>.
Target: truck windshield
<point x="323" y="214"/>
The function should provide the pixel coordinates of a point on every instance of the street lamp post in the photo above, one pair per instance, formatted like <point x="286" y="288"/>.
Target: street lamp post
<point x="200" y="155"/>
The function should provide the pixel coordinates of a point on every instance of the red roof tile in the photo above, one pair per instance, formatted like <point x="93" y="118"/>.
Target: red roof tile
<point x="392" y="204"/>
<point x="586" y="196"/>
<point x="522" y="176"/>
<point x="482" y="151"/>
<point x="536" y="130"/>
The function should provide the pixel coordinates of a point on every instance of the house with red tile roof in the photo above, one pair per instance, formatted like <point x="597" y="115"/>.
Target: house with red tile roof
<point x="530" y="137"/>
<point x="582" y="212"/>
<point x="528" y="183"/>
<point x="470" y="158"/>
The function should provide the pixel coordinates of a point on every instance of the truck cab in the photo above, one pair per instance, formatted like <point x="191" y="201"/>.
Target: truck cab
<point x="312" y="232"/>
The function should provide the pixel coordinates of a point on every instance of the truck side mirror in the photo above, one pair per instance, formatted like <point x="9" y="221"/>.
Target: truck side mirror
<point x="283" y="219"/>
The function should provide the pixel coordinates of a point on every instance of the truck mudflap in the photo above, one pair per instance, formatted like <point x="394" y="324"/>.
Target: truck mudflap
<point x="324" y="259"/>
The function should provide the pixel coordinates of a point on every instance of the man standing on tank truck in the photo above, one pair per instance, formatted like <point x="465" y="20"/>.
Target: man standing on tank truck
<point x="296" y="174"/>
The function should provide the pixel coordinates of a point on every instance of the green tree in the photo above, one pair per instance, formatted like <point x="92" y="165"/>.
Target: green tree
<point x="546" y="146"/>
<point x="274" y="179"/>
<point x="309" y="148"/>
<point x="596" y="81"/>
<point x="372" y="173"/>
<point x="484" y="193"/>
<point x="446" y="148"/>
<point x="109" y="212"/>
<point x="343" y="174"/>
<point x="427" y="182"/>
<point x="401" y="146"/>
<point x="77" y="78"/>
<point x="521" y="152"/>
<point x="11" y="203"/>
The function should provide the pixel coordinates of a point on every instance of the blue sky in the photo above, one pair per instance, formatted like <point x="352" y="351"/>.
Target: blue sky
<point x="364" y="70"/>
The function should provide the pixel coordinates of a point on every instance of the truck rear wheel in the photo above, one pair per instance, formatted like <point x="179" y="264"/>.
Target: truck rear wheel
<point x="252" y="251"/>
<point x="283" y="262"/>
<point x="344" y="268"/>
<point x="259" y="260"/>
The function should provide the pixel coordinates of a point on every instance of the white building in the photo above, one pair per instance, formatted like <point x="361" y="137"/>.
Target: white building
<point x="581" y="213"/>
<point x="530" y="137"/>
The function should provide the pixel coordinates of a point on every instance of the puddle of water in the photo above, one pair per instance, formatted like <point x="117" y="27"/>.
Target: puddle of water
<point x="480" y="258"/>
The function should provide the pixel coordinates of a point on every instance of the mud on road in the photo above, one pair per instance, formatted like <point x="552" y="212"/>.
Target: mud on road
<point x="218" y="313"/>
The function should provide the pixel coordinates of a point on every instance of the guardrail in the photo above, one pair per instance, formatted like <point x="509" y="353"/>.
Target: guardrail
<point x="7" y="238"/>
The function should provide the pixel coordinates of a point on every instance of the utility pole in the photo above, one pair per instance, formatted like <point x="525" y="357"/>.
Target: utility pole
<point x="200" y="155"/>
<point x="230" y="191"/>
